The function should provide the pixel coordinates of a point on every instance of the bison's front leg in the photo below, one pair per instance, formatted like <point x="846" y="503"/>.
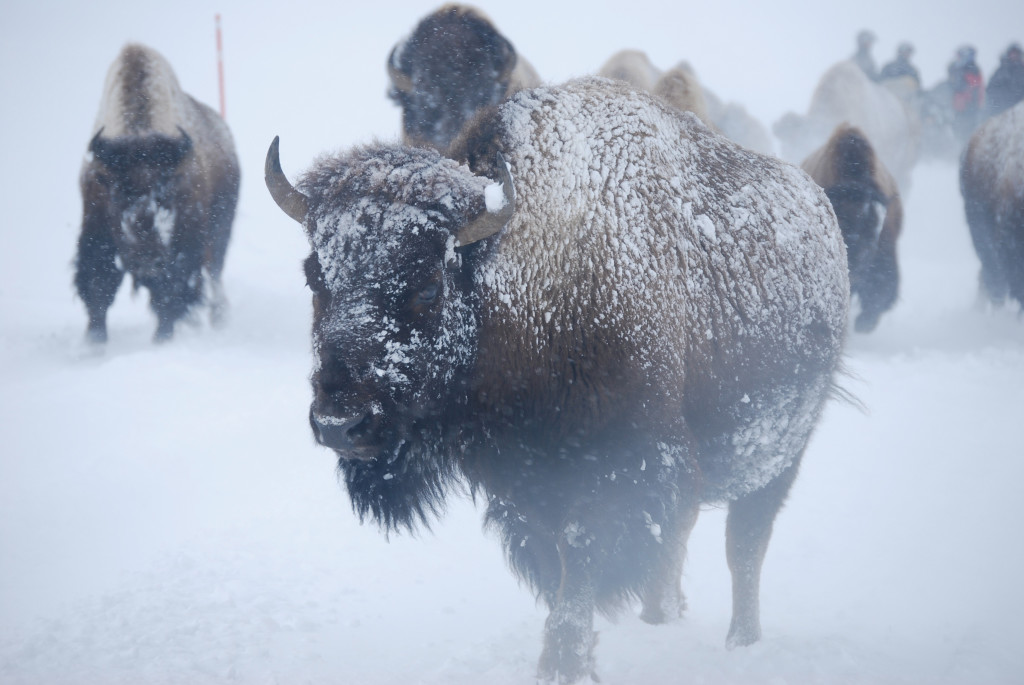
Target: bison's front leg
<point x="97" y="275"/>
<point x="175" y="291"/>
<point x="747" y="532"/>
<point x="569" y="638"/>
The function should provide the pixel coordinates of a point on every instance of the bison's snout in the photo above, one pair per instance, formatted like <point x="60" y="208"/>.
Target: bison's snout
<point x="351" y="437"/>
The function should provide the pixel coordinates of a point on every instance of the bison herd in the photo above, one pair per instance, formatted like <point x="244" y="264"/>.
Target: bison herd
<point x="598" y="305"/>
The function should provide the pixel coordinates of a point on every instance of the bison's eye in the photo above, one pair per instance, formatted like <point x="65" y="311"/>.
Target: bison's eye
<point x="427" y="295"/>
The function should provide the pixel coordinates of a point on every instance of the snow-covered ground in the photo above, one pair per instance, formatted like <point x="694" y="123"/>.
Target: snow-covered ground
<point x="166" y="518"/>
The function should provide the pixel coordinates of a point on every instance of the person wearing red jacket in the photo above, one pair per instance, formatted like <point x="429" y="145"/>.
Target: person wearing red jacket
<point x="968" y="87"/>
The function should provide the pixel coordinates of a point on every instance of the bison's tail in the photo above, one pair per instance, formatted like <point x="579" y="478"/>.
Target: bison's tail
<point x="840" y="393"/>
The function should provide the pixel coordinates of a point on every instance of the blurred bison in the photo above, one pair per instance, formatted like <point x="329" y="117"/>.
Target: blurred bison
<point x="650" y="319"/>
<point x="992" y="184"/>
<point x="453" y="65"/>
<point x="858" y="185"/>
<point x="159" y="189"/>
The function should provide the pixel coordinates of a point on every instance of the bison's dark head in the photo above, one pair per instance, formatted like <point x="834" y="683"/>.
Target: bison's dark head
<point x="452" y="66"/>
<point x="140" y="174"/>
<point x="140" y="163"/>
<point x="856" y="204"/>
<point x="394" y="313"/>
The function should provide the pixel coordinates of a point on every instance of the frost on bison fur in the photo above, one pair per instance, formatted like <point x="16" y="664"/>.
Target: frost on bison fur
<point x="860" y="187"/>
<point x="845" y="94"/>
<point x="649" y="321"/>
<point x="159" y="189"/>
<point x="992" y="185"/>
<point x="454" y="64"/>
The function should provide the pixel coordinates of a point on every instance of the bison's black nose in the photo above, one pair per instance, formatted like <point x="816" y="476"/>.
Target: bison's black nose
<point x="351" y="437"/>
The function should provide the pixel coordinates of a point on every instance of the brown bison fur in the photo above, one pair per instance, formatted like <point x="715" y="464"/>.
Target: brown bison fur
<point x="992" y="185"/>
<point x="857" y="185"/>
<point x="454" y="64"/>
<point x="159" y="190"/>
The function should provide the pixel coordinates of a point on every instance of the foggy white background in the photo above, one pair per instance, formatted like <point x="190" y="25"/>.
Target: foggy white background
<point x="166" y="517"/>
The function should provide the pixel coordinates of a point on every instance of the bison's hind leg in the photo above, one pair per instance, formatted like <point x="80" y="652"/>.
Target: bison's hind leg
<point x="222" y="216"/>
<point x="992" y="281"/>
<point x="663" y="599"/>
<point x="748" y="529"/>
<point x="217" y="300"/>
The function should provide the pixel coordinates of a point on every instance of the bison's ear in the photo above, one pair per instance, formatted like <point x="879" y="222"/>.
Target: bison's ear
<point x="291" y="201"/>
<point x="507" y="59"/>
<point x="497" y="210"/>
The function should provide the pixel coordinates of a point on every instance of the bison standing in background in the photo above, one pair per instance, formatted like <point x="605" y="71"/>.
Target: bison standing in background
<point x="857" y="185"/>
<point x="634" y="317"/>
<point x="680" y="88"/>
<point x="159" y="189"/>
<point x="992" y="184"/>
<point x="453" y="65"/>
<point x="632" y="66"/>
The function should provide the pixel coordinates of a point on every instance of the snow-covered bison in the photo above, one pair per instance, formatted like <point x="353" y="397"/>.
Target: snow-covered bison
<point x="992" y="184"/>
<point x="159" y="189"/>
<point x="604" y="316"/>
<point x="454" y="64"/>
<point x="857" y="185"/>
<point x="846" y="94"/>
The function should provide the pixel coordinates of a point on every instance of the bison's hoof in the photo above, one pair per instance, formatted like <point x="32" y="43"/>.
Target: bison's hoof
<point x="564" y="662"/>
<point x="96" y="335"/>
<point x="164" y="332"/>
<point x="742" y="635"/>
<point x="866" y="322"/>
<point x="665" y="611"/>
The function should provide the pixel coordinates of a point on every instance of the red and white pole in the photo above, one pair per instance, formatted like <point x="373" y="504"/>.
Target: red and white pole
<point x="220" y="68"/>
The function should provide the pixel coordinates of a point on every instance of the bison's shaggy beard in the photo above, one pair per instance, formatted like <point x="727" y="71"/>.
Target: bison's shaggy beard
<point x="406" y="488"/>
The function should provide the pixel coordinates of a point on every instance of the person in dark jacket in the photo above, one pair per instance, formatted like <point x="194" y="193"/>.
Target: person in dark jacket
<point x="863" y="58"/>
<point x="968" y="88"/>
<point x="1006" y="87"/>
<point x="901" y="66"/>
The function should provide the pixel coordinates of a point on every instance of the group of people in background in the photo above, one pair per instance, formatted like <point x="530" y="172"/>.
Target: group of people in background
<point x="964" y="92"/>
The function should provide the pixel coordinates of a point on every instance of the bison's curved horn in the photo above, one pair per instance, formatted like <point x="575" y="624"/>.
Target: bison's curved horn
<point x="294" y="203"/>
<point x="490" y="222"/>
<point x="399" y="79"/>
<point x="95" y="140"/>
<point x="186" y="141"/>
<point x="104" y="151"/>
